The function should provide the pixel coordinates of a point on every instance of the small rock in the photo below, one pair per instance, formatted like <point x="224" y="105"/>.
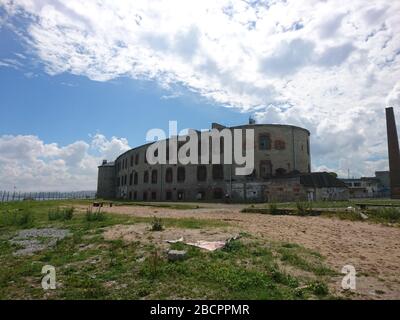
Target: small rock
<point x="175" y="255"/>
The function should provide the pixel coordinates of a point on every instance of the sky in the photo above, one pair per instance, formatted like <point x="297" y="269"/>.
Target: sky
<point x="82" y="81"/>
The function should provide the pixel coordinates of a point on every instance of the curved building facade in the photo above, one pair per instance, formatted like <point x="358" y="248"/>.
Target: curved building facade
<point x="279" y="150"/>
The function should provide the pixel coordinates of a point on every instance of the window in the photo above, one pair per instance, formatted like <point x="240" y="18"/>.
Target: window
<point x="181" y="195"/>
<point x="154" y="176"/>
<point x="265" y="168"/>
<point x="130" y="179"/>
<point x="130" y="195"/>
<point x="218" y="172"/>
<point x="145" y="196"/>
<point x="131" y="161"/>
<point x="136" y="178"/>
<point x="201" y="173"/>
<point x="308" y="147"/>
<point x="218" y="193"/>
<point x="168" y="195"/>
<point x="135" y="195"/>
<point x="154" y="195"/>
<point x="201" y="195"/>
<point x="264" y="142"/>
<point x="118" y="182"/>
<point x="137" y="159"/>
<point x="146" y="177"/>
<point x="181" y="174"/>
<point x="168" y="175"/>
<point x="280" y="145"/>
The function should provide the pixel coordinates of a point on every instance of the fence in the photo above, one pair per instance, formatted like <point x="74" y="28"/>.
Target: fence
<point x="6" y="196"/>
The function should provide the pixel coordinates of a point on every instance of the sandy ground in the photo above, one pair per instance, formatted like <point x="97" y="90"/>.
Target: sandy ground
<point x="373" y="249"/>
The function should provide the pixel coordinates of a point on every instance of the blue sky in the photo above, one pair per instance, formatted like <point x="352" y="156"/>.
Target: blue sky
<point x="83" y="81"/>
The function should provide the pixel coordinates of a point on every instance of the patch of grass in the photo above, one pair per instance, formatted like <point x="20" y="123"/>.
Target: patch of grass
<point x="18" y="218"/>
<point x="94" y="215"/>
<point x="388" y="215"/>
<point x="156" y="224"/>
<point x="61" y="214"/>
<point x="303" y="208"/>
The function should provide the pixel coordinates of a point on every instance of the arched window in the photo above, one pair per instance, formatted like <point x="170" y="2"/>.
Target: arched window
<point x="218" y="171"/>
<point x="154" y="176"/>
<point x="168" y="175"/>
<point x="181" y="174"/>
<point x="264" y="142"/>
<point x="201" y="173"/>
<point x="146" y="177"/>
<point x="136" y="178"/>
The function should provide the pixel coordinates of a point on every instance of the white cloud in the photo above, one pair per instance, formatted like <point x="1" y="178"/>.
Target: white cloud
<point x="326" y="65"/>
<point x="32" y="165"/>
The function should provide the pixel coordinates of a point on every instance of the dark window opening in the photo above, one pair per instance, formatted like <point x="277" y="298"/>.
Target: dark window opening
<point x="218" y="172"/>
<point x="131" y="161"/>
<point x="146" y="177"/>
<point x="168" y="195"/>
<point x="218" y="193"/>
<point x="181" y="174"/>
<point x="137" y="159"/>
<point x="135" y="195"/>
<point x="265" y="168"/>
<point x="201" y="173"/>
<point x="201" y="195"/>
<point x="136" y="178"/>
<point x="130" y="195"/>
<point x="264" y="142"/>
<point x="280" y="172"/>
<point x="130" y="179"/>
<point x="145" y="196"/>
<point x="154" y="176"/>
<point x="181" y="195"/>
<point x="154" y="195"/>
<point x="168" y="175"/>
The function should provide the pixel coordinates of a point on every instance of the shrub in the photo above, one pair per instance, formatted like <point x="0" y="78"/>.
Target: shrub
<point x="304" y="208"/>
<point x="273" y="209"/>
<point x="94" y="215"/>
<point x="319" y="288"/>
<point x="156" y="224"/>
<point x="61" y="214"/>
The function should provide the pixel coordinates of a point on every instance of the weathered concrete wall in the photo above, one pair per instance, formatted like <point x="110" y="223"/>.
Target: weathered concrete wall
<point x="293" y="156"/>
<point x="106" y="182"/>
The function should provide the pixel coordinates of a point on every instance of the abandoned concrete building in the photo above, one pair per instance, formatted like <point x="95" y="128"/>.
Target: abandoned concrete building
<point x="282" y="171"/>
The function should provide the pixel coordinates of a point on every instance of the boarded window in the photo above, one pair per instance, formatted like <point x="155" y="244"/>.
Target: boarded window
<point x="265" y="168"/>
<point x="181" y="174"/>
<point x="264" y="142"/>
<point x="280" y="145"/>
<point x="168" y="175"/>
<point x="218" y="172"/>
<point x="154" y="176"/>
<point x="201" y="173"/>
<point x="146" y="177"/>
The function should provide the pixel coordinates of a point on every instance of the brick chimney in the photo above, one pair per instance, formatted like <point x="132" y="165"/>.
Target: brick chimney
<point x="394" y="154"/>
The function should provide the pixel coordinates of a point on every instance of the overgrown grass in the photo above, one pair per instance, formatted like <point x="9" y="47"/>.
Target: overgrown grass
<point x="89" y="267"/>
<point x="94" y="215"/>
<point x="18" y="218"/>
<point x="61" y="213"/>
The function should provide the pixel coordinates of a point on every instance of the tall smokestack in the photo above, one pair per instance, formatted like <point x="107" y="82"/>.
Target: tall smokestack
<point x="394" y="154"/>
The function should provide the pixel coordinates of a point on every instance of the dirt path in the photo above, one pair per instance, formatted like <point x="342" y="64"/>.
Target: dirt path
<point x="373" y="249"/>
